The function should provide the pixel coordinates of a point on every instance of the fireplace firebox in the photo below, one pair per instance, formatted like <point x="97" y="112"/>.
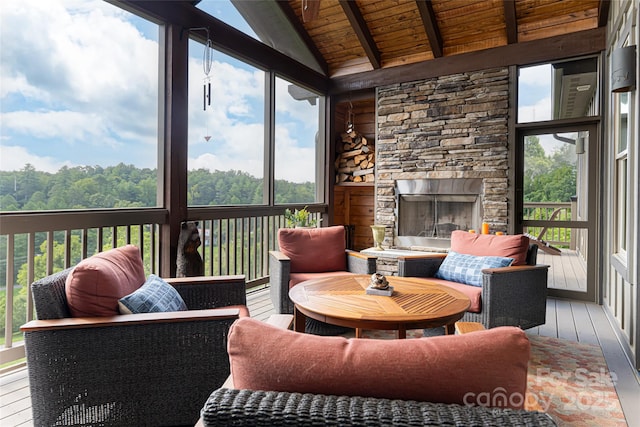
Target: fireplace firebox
<point x="428" y="210"/>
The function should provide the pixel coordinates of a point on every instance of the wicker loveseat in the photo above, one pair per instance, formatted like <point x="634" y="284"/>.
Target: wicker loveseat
<point x="515" y="295"/>
<point x="334" y="381"/>
<point x="248" y="408"/>
<point x="131" y="369"/>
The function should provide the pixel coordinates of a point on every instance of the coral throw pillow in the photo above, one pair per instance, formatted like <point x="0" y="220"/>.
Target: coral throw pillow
<point x="314" y="250"/>
<point x="486" y="367"/>
<point x="95" y="285"/>
<point x="512" y="246"/>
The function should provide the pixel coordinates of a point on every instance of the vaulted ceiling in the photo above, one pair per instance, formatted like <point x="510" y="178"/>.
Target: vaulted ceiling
<point x="345" y="37"/>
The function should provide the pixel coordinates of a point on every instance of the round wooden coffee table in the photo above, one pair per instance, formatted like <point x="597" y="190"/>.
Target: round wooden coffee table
<point x="341" y="300"/>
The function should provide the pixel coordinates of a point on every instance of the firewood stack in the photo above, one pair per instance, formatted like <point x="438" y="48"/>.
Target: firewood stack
<point x="355" y="158"/>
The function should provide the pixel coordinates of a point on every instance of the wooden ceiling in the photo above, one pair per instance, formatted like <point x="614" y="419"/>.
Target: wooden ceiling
<point x="354" y="36"/>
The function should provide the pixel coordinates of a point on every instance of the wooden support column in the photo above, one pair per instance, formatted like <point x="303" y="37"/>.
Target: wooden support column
<point x="172" y="156"/>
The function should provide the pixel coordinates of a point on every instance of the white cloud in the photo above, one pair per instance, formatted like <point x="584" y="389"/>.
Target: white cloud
<point x="538" y="75"/>
<point x="293" y="162"/>
<point x="76" y="71"/>
<point x="73" y="127"/>
<point x="541" y="110"/>
<point x="15" y="158"/>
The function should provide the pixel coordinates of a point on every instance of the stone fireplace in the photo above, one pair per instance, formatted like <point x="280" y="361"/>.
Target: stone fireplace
<point x="428" y="210"/>
<point x="435" y="137"/>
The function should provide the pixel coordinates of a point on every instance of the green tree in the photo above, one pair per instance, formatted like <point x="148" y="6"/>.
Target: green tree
<point x="548" y="178"/>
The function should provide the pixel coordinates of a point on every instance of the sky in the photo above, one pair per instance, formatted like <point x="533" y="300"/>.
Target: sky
<point x="70" y="96"/>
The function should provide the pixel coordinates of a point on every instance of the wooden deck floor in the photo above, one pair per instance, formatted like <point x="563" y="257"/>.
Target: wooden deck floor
<point x="571" y="320"/>
<point x="567" y="271"/>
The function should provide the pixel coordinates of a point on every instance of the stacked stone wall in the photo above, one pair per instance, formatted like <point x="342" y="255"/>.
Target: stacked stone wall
<point x="447" y="127"/>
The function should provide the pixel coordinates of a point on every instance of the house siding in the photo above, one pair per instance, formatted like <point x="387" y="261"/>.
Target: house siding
<point x="622" y="270"/>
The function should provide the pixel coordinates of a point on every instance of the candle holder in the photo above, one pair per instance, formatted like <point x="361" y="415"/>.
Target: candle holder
<point x="378" y="236"/>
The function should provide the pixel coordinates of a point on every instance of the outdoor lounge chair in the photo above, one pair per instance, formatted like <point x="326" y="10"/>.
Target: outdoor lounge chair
<point x="131" y="369"/>
<point x="311" y="253"/>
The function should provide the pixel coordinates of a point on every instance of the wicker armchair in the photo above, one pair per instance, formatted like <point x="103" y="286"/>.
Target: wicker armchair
<point x="510" y="296"/>
<point x="135" y="369"/>
<point x="307" y="254"/>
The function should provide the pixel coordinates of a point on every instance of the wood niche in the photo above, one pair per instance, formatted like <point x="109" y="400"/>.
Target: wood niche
<point x="354" y="190"/>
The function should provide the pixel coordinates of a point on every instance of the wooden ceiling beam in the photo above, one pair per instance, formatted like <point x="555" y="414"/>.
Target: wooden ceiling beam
<point x="544" y="50"/>
<point x="431" y="27"/>
<point x="302" y="32"/>
<point x="359" y="25"/>
<point x="510" y="21"/>
<point x="603" y="12"/>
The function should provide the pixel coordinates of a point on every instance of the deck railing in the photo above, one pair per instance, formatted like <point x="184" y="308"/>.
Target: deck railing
<point x="542" y="211"/>
<point x="235" y="240"/>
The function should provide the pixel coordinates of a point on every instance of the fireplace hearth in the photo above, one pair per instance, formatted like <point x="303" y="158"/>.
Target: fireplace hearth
<point x="429" y="210"/>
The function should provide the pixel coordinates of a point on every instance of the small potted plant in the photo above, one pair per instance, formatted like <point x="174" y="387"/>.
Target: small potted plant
<point x="299" y="218"/>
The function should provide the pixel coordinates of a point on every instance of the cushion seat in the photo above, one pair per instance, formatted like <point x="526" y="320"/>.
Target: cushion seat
<point x="473" y="292"/>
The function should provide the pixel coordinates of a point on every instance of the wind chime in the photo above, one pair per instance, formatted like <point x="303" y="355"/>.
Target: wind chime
<point x="207" y="61"/>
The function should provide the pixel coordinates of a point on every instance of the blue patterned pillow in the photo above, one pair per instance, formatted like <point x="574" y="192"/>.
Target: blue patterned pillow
<point x="155" y="295"/>
<point x="467" y="269"/>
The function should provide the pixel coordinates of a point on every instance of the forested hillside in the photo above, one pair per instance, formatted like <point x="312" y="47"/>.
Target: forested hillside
<point x="125" y="186"/>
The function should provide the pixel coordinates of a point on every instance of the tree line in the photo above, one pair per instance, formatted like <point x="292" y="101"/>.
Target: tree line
<point x="126" y="186"/>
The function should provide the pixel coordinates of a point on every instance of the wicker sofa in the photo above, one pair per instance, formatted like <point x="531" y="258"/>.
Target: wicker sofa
<point x="230" y="407"/>
<point x="333" y="381"/>
<point x="508" y="296"/>
<point x="131" y="369"/>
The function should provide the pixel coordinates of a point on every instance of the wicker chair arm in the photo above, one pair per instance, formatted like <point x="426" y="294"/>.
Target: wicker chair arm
<point x="360" y="263"/>
<point x="130" y="319"/>
<point x="515" y="269"/>
<point x="514" y="296"/>
<point x="419" y="265"/>
<point x="279" y="256"/>
<point x="227" y="407"/>
<point x="200" y="293"/>
<point x="279" y="271"/>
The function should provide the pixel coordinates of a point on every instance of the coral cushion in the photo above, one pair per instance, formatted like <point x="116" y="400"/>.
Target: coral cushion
<point x="314" y="250"/>
<point x="512" y="246"/>
<point x="473" y="292"/>
<point x="95" y="285"/>
<point x="489" y="366"/>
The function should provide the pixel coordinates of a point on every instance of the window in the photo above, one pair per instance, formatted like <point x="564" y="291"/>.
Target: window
<point x="79" y="107"/>
<point x="621" y="132"/>
<point x="559" y="90"/>
<point x="226" y="131"/>
<point x="297" y="142"/>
